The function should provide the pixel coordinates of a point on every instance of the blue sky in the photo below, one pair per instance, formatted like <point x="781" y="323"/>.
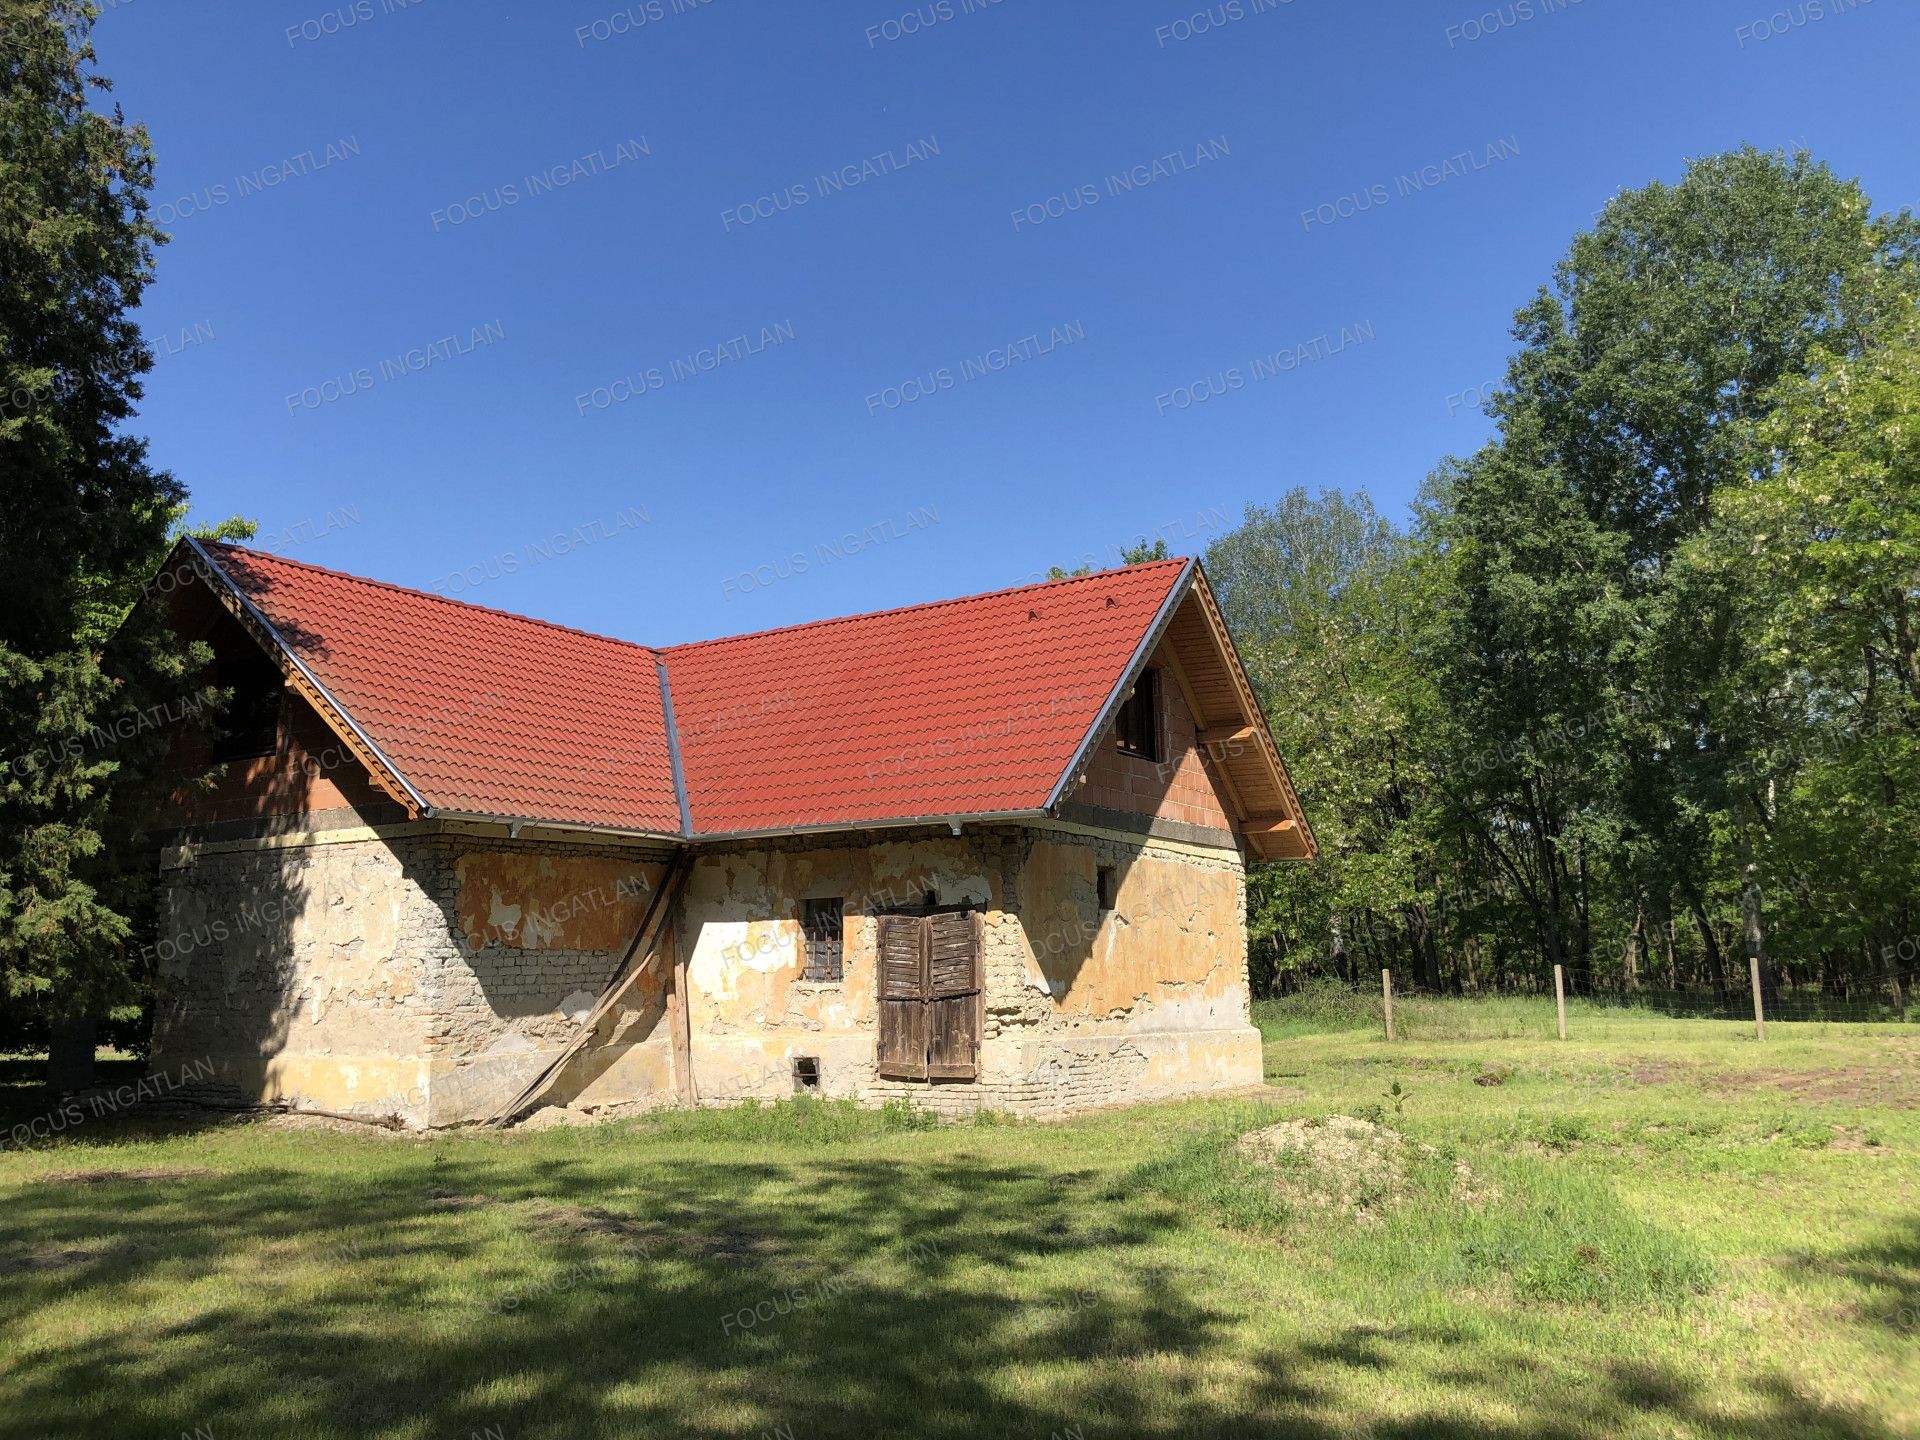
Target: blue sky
<point x="772" y="312"/>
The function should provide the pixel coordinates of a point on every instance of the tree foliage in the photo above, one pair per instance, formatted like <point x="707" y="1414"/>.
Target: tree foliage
<point x="87" y="520"/>
<point x="1636" y="693"/>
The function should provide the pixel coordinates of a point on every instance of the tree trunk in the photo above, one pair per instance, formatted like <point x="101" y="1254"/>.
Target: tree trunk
<point x="70" y="1047"/>
<point x="1428" y="954"/>
<point x="1636" y="944"/>
<point x="1716" y="971"/>
<point x="1583" y="972"/>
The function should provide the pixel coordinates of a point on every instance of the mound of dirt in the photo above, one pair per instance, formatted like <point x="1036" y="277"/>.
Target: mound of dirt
<point x="1349" y="1165"/>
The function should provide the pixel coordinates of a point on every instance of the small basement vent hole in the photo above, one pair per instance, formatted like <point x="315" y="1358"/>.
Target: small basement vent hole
<point x="806" y="1073"/>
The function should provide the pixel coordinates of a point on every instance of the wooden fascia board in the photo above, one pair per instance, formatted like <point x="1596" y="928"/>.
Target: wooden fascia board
<point x="1251" y="713"/>
<point x="1226" y="735"/>
<point x="1266" y="825"/>
<point x="305" y="682"/>
<point x="1149" y="642"/>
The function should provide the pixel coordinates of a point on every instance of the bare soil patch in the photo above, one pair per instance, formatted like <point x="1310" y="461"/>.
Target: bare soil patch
<point x="383" y="1127"/>
<point x="1850" y="1140"/>
<point x="592" y="1220"/>
<point x="102" y="1177"/>
<point x="651" y="1236"/>
<point x="42" y="1260"/>
<point x="1868" y="1085"/>
<point x="453" y="1200"/>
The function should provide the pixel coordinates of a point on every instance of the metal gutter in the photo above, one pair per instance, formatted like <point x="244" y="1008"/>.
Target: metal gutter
<point x="1162" y="618"/>
<point x="531" y="822"/>
<point x="673" y="751"/>
<point x="214" y="572"/>
<point x="953" y="822"/>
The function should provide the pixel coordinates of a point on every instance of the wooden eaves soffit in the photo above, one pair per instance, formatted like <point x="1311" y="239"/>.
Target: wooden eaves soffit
<point x="1197" y="651"/>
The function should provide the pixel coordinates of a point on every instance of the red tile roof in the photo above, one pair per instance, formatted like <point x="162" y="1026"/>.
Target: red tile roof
<point x="962" y="707"/>
<point x="482" y="712"/>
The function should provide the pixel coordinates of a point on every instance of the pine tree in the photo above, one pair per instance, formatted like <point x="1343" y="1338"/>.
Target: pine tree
<point x="85" y="521"/>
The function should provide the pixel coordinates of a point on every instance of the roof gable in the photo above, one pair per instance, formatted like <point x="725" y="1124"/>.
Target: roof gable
<point x="479" y="712"/>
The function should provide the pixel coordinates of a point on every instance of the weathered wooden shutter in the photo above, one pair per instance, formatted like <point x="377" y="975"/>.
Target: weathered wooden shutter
<point x="902" y="988"/>
<point x="953" y="995"/>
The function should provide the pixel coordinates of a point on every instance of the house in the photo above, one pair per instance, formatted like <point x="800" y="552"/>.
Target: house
<point x="984" y="852"/>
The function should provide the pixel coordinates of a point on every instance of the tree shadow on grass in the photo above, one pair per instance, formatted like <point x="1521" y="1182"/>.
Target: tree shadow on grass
<point x="570" y="1296"/>
<point x="1888" y="1268"/>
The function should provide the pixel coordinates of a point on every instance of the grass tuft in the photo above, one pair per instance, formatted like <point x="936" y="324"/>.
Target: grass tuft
<point x="803" y="1120"/>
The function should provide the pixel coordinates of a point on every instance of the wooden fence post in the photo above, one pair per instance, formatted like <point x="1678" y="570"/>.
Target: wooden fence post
<point x="1560" y="997"/>
<point x="1386" y="994"/>
<point x="1759" y="1011"/>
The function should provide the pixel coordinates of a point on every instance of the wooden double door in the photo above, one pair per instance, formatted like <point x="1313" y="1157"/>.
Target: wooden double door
<point x="929" y="995"/>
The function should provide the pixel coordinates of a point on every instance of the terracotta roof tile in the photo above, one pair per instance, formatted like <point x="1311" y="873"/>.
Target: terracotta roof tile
<point x="481" y="711"/>
<point x="955" y="708"/>
<point x="960" y="707"/>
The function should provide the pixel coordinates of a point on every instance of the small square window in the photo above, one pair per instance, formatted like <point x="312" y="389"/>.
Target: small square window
<point x="1103" y="884"/>
<point x="806" y="1073"/>
<point x="1136" y="729"/>
<point x="821" y="921"/>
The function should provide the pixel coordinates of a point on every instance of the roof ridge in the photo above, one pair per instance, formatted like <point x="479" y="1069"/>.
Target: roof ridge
<point x="669" y="650"/>
<point x="651" y="650"/>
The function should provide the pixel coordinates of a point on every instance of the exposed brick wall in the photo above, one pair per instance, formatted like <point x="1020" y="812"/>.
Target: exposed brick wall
<point x="344" y="976"/>
<point x="310" y="771"/>
<point x="1182" y="787"/>
<point x="529" y="934"/>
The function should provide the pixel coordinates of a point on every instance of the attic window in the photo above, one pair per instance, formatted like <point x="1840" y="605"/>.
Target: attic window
<point x="821" y="921"/>
<point x="1136" y="731"/>
<point x="251" y="725"/>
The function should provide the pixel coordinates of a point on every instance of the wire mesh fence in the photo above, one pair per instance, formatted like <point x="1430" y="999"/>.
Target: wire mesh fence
<point x="1529" y="1008"/>
<point x="1890" y="1001"/>
<point x="1888" y="998"/>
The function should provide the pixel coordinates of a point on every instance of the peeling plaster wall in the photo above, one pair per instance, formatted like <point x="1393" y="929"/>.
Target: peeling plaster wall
<point x="1080" y="1008"/>
<point x="304" y="974"/>
<point x="1147" y="999"/>
<point x="534" y="930"/>
<point x="432" y="974"/>
<point x="751" y="1012"/>
<point x="428" y="975"/>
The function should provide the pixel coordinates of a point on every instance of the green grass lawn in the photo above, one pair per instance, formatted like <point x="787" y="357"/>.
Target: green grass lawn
<point x="1672" y="1230"/>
